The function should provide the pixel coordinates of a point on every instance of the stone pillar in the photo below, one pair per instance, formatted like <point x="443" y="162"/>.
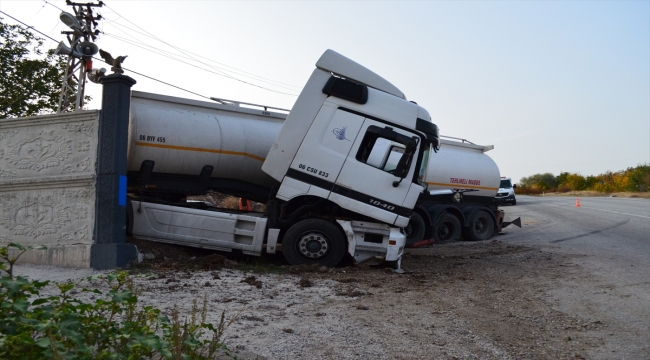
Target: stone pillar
<point x="110" y="249"/>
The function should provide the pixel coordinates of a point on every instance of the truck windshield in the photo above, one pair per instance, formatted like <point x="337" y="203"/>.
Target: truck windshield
<point x="423" y="166"/>
<point x="505" y="184"/>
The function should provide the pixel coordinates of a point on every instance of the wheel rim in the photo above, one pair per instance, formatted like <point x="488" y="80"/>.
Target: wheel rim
<point x="313" y="245"/>
<point x="481" y="225"/>
<point x="444" y="231"/>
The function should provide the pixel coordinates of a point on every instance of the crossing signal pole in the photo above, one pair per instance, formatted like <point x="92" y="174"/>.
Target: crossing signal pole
<point x="80" y="50"/>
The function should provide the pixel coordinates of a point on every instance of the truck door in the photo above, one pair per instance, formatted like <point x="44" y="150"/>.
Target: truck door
<point x="366" y="183"/>
<point x="322" y="153"/>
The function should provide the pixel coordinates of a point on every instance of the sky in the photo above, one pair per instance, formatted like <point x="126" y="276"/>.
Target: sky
<point x="555" y="86"/>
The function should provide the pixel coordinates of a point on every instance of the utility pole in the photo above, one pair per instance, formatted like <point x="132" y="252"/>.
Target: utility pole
<point x="80" y="51"/>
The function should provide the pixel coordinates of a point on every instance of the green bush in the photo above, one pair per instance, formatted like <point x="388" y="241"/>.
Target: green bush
<point x="114" y="326"/>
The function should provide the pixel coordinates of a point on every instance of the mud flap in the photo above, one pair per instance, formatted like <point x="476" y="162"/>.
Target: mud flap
<point x="516" y="222"/>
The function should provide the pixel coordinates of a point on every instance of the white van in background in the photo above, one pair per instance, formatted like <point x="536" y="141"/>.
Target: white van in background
<point x="506" y="193"/>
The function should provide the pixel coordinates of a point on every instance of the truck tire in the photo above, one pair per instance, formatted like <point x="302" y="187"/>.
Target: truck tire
<point x="447" y="228"/>
<point x="514" y="202"/>
<point x="481" y="226"/>
<point x="415" y="230"/>
<point x="314" y="241"/>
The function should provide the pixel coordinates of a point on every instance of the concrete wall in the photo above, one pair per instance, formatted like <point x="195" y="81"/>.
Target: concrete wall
<point x="47" y="185"/>
<point x="63" y="183"/>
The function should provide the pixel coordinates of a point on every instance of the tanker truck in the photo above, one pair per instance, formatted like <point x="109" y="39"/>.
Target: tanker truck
<point x="460" y="199"/>
<point x="339" y="174"/>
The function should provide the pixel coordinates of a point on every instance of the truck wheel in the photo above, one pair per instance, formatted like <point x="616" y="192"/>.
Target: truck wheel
<point x="514" y="202"/>
<point x="414" y="231"/>
<point x="447" y="228"/>
<point x="314" y="241"/>
<point x="481" y="226"/>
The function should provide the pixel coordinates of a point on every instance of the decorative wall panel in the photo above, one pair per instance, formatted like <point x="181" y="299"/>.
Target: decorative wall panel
<point x="47" y="179"/>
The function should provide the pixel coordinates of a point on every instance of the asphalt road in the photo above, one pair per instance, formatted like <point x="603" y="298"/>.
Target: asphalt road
<point x="609" y="239"/>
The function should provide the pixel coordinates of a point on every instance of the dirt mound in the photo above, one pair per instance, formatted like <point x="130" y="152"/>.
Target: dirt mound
<point x="161" y="256"/>
<point x="212" y="262"/>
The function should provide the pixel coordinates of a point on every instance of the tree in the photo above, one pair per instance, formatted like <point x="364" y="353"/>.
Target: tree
<point x="632" y="179"/>
<point x="562" y="178"/>
<point x="544" y="181"/>
<point x="575" y="182"/>
<point x="639" y="178"/>
<point x="591" y="181"/>
<point x="30" y="83"/>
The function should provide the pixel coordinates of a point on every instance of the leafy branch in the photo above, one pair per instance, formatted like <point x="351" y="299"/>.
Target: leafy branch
<point x="114" y="326"/>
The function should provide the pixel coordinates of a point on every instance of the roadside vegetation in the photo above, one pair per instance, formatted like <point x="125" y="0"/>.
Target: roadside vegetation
<point x="111" y="326"/>
<point x="635" y="181"/>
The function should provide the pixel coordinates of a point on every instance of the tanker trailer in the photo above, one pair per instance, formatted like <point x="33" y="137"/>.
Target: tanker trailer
<point x="310" y="167"/>
<point x="172" y="140"/>
<point x="460" y="199"/>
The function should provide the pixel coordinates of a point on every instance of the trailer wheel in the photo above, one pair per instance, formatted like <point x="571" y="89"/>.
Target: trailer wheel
<point x="481" y="226"/>
<point x="447" y="228"/>
<point x="414" y="231"/>
<point x="314" y="241"/>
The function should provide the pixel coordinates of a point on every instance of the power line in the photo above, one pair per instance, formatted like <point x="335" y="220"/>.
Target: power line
<point x="52" y="5"/>
<point x="150" y="77"/>
<point x="200" y="68"/>
<point x="29" y="27"/>
<point x="220" y="70"/>
<point x="188" y="52"/>
<point x="162" y="82"/>
<point x="234" y="70"/>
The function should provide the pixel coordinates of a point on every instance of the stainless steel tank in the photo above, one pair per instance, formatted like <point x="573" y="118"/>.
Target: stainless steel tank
<point x="463" y="165"/>
<point x="183" y="135"/>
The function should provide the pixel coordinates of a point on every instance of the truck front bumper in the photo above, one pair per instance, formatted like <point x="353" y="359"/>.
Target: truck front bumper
<point x="372" y="240"/>
<point x="505" y="199"/>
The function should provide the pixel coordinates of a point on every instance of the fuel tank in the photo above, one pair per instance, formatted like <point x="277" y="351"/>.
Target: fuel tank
<point x="182" y="136"/>
<point x="460" y="164"/>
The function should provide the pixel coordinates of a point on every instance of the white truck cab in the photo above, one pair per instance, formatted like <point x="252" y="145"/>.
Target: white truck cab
<point x="364" y="147"/>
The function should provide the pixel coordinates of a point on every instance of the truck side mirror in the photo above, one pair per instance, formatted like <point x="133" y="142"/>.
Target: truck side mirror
<point x="514" y="186"/>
